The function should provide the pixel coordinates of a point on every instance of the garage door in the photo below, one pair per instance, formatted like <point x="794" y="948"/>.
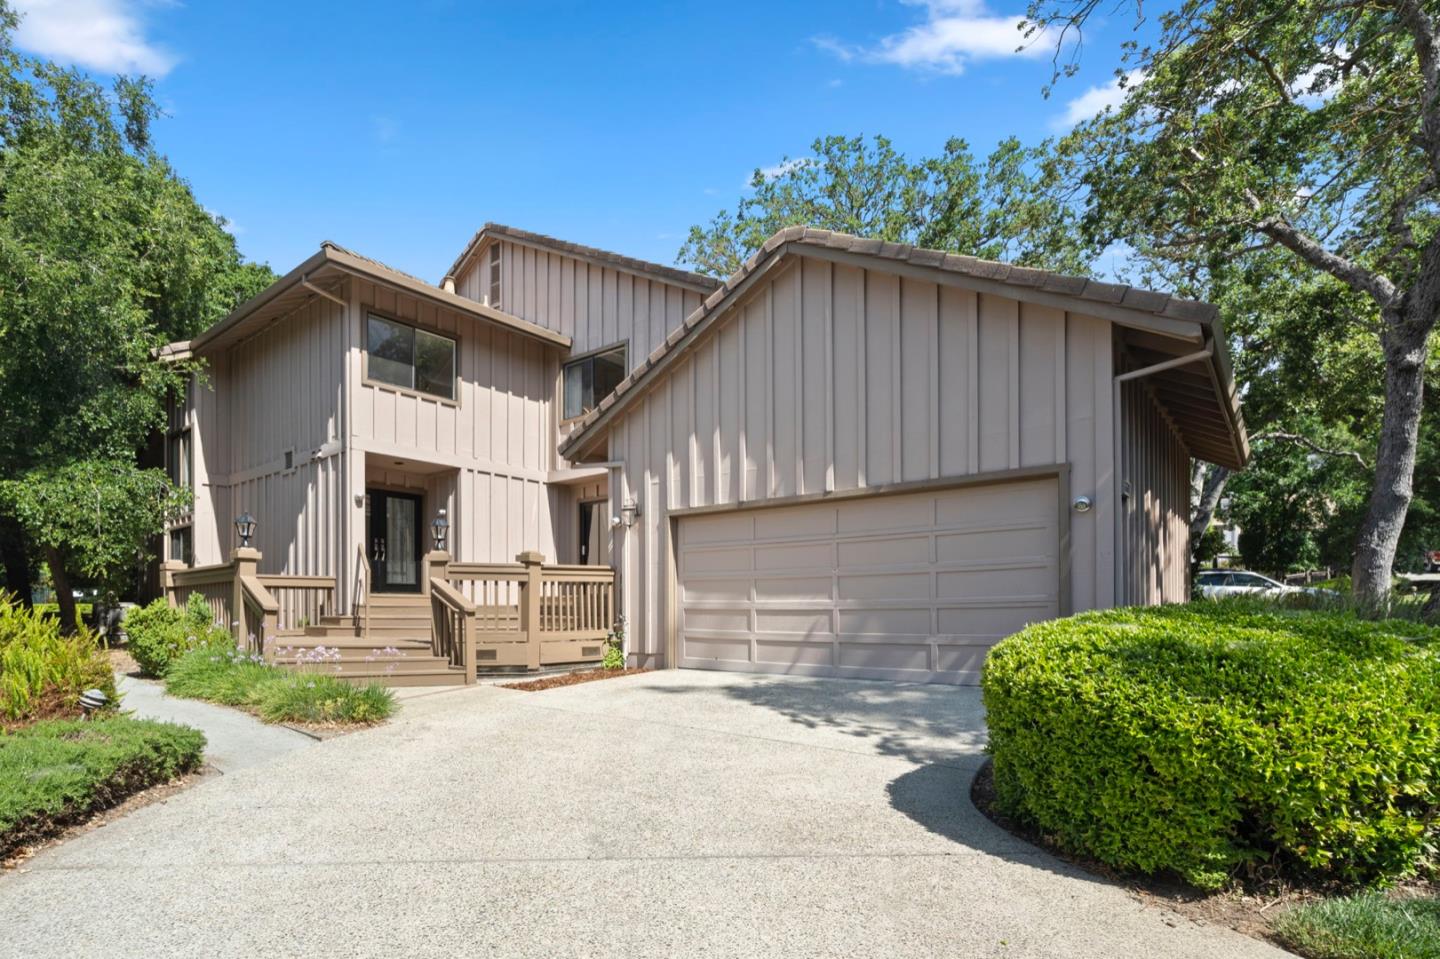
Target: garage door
<point x="909" y="587"/>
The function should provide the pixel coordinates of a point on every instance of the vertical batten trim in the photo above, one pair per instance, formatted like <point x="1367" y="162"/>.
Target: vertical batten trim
<point x="1013" y="412"/>
<point x="719" y="417"/>
<point x="862" y="406"/>
<point x="742" y="362"/>
<point x="770" y="388"/>
<point x="829" y="377"/>
<point x="897" y="393"/>
<point x="1062" y="346"/>
<point x="972" y="375"/>
<point x="933" y="417"/>
<point x="798" y="318"/>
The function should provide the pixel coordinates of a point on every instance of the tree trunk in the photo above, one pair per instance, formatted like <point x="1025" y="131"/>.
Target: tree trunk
<point x="15" y="554"/>
<point x="1204" y="511"/>
<point x="64" y="596"/>
<point x="1405" y="347"/>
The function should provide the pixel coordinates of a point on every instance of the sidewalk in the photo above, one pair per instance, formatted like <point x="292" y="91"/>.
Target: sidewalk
<point x="234" y="740"/>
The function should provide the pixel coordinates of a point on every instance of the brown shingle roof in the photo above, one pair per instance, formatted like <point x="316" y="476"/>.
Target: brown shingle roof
<point x="670" y="274"/>
<point x="1107" y="295"/>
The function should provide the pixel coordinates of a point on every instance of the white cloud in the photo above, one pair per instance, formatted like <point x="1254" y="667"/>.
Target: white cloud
<point x="779" y="169"/>
<point x="103" y="35"/>
<point x="1097" y="100"/>
<point x="954" y="33"/>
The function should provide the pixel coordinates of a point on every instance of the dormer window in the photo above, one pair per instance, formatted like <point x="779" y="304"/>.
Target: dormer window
<point x="494" y="299"/>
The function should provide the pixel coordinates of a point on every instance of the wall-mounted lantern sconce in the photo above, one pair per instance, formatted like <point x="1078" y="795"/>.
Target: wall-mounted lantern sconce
<point x="245" y="527"/>
<point x="440" y="529"/>
<point x="1082" y="504"/>
<point x="629" y="513"/>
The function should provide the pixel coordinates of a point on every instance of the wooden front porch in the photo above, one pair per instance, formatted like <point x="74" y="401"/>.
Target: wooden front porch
<point x="467" y="616"/>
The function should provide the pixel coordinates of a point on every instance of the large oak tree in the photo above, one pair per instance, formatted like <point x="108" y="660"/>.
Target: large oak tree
<point x="1307" y="126"/>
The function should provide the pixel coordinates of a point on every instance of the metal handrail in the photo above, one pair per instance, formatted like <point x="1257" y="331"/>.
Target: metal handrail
<point x="361" y="611"/>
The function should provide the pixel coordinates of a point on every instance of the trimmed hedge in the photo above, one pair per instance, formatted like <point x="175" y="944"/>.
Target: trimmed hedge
<point x="56" y="773"/>
<point x="1200" y="738"/>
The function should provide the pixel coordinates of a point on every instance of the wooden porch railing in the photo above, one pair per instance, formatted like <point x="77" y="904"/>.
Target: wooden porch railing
<point x="257" y="609"/>
<point x="527" y="614"/>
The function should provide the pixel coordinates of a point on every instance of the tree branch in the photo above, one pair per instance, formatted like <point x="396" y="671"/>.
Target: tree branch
<point x="1427" y="50"/>
<point x="1311" y="445"/>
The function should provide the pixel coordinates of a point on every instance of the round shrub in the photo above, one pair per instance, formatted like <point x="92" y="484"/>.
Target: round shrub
<point x="159" y="634"/>
<point x="1200" y="738"/>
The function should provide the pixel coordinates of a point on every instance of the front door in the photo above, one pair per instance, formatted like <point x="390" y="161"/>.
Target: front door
<point x="394" y="542"/>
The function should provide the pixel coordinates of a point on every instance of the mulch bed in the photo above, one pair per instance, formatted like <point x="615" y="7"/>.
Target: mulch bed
<point x="1250" y="908"/>
<point x="573" y="679"/>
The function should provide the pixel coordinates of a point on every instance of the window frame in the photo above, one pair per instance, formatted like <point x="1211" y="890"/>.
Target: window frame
<point x="622" y="347"/>
<point x="493" y="274"/>
<point x="368" y="380"/>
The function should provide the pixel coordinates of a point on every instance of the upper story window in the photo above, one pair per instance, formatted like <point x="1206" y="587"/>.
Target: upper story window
<point x="589" y="379"/>
<point x="179" y="459"/>
<point x="494" y="299"/>
<point x="413" y="358"/>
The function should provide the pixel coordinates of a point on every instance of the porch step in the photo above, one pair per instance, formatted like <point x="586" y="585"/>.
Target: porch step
<point x="378" y="630"/>
<point x="410" y="644"/>
<point x="378" y="600"/>
<point x="445" y="675"/>
<point x="348" y="664"/>
<point x="387" y="616"/>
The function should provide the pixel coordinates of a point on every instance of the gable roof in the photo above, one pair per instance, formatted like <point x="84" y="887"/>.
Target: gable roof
<point x="698" y="282"/>
<point x="331" y="265"/>
<point x="1162" y="318"/>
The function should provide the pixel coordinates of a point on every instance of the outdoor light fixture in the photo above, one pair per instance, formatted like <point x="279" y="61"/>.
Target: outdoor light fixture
<point x="629" y="513"/>
<point x="440" y="528"/>
<point x="245" y="527"/>
<point x="1082" y="504"/>
<point x="93" y="699"/>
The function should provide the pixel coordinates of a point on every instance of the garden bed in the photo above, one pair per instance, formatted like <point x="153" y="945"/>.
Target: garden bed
<point x="309" y="699"/>
<point x="574" y="679"/>
<point x="54" y="774"/>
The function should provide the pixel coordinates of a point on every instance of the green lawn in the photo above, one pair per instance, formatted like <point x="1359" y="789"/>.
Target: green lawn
<point x="1367" y="926"/>
<point x="58" y="772"/>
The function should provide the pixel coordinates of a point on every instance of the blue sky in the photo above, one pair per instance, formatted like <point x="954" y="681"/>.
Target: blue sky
<point x="398" y="129"/>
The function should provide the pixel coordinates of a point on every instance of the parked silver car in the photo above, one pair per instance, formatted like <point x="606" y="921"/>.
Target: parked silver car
<point x="1215" y="583"/>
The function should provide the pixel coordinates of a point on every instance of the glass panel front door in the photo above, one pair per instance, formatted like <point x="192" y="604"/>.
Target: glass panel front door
<point x="394" y="547"/>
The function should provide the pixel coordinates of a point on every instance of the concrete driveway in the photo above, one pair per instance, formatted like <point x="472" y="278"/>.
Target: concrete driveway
<point x="667" y="814"/>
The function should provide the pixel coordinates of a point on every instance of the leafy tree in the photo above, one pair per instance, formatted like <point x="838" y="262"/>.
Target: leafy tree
<point x="105" y="255"/>
<point x="949" y="202"/>
<point x="1305" y="125"/>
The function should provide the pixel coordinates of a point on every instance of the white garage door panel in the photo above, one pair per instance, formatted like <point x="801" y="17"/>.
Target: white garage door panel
<point x="915" y="587"/>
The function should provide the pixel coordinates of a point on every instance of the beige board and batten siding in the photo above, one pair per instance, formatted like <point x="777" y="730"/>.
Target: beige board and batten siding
<point x="595" y="305"/>
<point x="268" y="440"/>
<point x="831" y="377"/>
<point x="494" y="443"/>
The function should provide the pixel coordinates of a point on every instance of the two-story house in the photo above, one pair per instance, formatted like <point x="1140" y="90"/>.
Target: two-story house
<point x="852" y="458"/>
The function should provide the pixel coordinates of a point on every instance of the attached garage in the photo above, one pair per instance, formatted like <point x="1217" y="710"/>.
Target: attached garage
<point x="863" y="459"/>
<point x="911" y="586"/>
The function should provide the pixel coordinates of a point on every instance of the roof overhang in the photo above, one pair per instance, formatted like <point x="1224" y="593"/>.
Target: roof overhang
<point x="322" y="275"/>
<point x="1211" y="424"/>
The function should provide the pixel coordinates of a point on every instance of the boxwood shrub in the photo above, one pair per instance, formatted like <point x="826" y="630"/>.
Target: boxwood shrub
<point x="1200" y="738"/>
<point x="158" y="634"/>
